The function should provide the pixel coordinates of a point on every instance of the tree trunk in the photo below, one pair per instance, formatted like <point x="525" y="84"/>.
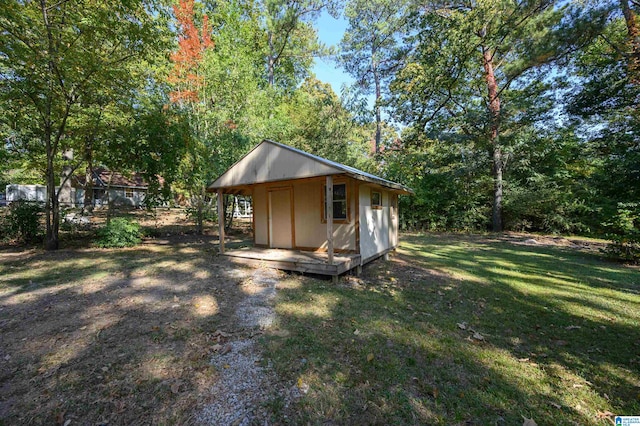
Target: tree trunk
<point x="199" y="215"/>
<point x="376" y="79"/>
<point x="494" y="138"/>
<point x="271" y="61"/>
<point x="633" y="34"/>
<point x="230" y="218"/>
<point x="52" y="207"/>
<point x="109" y="200"/>
<point x="88" y="184"/>
<point x="200" y="212"/>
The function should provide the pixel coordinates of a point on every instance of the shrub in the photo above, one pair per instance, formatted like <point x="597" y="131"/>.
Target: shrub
<point x="22" y="222"/>
<point x="625" y="233"/>
<point x="119" y="232"/>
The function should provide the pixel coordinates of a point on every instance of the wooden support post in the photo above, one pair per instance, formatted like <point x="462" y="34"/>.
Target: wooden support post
<point x="329" y="198"/>
<point x="221" y="220"/>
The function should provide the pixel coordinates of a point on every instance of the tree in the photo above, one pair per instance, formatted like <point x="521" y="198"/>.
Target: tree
<point x="319" y="122"/>
<point x="633" y="38"/>
<point x="477" y="72"/>
<point x="603" y="103"/>
<point x="192" y="43"/>
<point x="53" y="53"/>
<point x="369" y="47"/>
<point x="291" y="40"/>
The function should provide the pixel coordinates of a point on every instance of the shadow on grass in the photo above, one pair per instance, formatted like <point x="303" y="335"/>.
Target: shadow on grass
<point x="112" y="336"/>
<point x="560" y="338"/>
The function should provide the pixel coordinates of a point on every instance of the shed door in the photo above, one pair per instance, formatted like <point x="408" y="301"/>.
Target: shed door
<point x="280" y="223"/>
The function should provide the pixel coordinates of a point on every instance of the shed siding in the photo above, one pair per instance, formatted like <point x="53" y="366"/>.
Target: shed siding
<point x="374" y="223"/>
<point x="393" y="221"/>
<point x="270" y="163"/>
<point x="311" y="231"/>
<point x="260" y="214"/>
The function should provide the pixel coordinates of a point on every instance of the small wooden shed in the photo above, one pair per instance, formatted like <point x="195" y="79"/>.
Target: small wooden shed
<point x="311" y="214"/>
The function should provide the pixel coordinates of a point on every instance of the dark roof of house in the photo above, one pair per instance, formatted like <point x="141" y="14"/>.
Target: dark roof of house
<point x="103" y="177"/>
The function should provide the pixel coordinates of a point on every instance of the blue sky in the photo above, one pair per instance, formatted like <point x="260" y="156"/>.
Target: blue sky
<point x="330" y="32"/>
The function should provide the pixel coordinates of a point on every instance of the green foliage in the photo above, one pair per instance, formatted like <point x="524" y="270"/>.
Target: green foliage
<point x="61" y="64"/>
<point x="22" y="222"/>
<point x="451" y="191"/>
<point x="201" y="209"/>
<point x="22" y="176"/>
<point x="477" y="75"/>
<point x="548" y="185"/>
<point x="290" y="40"/>
<point x="625" y="233"/>
<point x="369" y="49"/>
<point x="119" y="232"/>
<point x="603" y="104"/>
<point x="320" y="124"/>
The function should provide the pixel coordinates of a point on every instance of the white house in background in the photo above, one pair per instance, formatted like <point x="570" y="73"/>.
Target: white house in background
<point x="293" y="228"/>
<point x="107" y="186"/>
<point x="15" y="192"/>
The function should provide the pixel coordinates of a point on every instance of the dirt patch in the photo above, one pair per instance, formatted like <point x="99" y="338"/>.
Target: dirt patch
<point x="134" y="336"/>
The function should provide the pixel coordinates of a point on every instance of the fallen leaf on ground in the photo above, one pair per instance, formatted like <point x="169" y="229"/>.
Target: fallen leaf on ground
<point x="370" y="357"/>
<point x="523" y="359"/>
<point x="604" y="415"/>
<point x="304" y="388"/>
<point x="529" y="422"/>
<point x="175" y="388"/>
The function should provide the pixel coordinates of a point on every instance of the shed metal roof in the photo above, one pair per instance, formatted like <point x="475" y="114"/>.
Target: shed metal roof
<point x="271" y="161"/>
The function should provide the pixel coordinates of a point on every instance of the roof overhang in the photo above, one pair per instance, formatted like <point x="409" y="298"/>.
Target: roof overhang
<point x="273" y="162"/>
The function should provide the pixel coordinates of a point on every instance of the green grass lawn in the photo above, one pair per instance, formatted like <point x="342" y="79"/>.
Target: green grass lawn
<point x="463" y="330"/>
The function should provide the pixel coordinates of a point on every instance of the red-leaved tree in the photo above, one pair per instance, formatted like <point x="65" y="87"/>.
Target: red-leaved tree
<point x="191" y="45"/>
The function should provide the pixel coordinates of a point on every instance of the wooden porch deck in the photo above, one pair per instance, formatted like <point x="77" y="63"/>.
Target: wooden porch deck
<point x="294" y="260"/>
